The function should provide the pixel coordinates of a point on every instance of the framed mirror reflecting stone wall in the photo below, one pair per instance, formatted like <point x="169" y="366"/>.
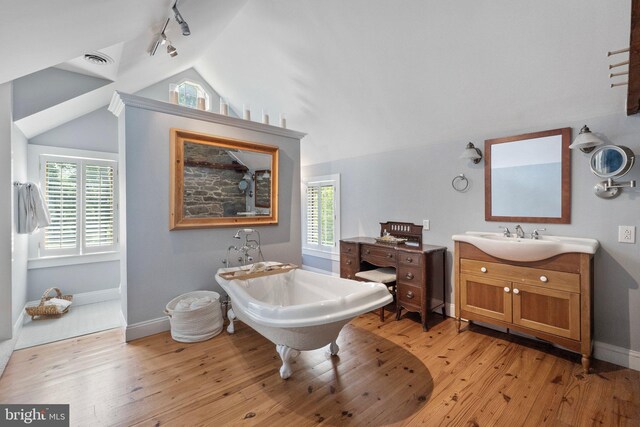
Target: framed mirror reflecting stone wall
<point x="528" y="177"/>
<point x="211" y="181"/>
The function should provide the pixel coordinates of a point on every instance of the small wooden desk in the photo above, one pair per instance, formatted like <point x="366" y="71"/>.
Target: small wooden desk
<point x="418" y="270"/>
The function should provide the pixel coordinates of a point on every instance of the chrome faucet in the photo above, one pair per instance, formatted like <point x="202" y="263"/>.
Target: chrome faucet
<point x="519" y="232"/>
<point x="535" y="235"/>
<point x="506" y="232"/>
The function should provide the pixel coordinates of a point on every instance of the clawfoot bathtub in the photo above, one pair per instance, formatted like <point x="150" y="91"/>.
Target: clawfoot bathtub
<point x="300" y="310"/>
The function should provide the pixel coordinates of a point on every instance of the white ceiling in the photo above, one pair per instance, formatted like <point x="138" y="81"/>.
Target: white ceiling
<point x="359" y="76"/>
<point x="372" y="75"/>
<point x="41" y="34"/>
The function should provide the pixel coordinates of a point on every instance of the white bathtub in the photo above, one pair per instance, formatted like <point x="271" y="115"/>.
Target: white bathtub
<point x="300" y="310"/>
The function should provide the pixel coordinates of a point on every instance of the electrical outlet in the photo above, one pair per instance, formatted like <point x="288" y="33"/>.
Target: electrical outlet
<point x="627" y="233"/>
<point x="425" y="224"/>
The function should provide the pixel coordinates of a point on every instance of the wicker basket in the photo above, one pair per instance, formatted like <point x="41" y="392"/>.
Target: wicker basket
<point x="48" y="310"/>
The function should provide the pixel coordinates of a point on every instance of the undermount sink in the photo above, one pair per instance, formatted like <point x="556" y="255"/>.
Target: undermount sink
<point x="526" y="249"/>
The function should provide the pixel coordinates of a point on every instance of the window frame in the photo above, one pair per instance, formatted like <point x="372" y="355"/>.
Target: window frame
<point x="39" y="257"/>
<point x="207" y="95"/>
<point x="318" y="250"/>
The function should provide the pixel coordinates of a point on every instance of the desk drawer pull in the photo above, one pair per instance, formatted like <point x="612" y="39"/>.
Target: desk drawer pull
<point x="367" y="251"/>
<point x="409" y="275"/>
<point x="483" y="269"/>
<point x="410" y="295"/>
<point x="389" y="255"/>
<point x="349" y="249"/>
<point x="544" y="279"/>
<point x="348" y="262"/>
<point x="348" y="276"/>
<point x="409" y="259"/>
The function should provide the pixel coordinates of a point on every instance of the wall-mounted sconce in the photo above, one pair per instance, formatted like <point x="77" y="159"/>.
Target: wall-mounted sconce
<point x="586" y="141"/>
<point x="612" y="161"/>
<point x="472" y="153"/>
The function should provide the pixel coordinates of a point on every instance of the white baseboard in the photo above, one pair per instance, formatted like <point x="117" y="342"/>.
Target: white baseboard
<point x="146" y="328"/>
<point x="617" y="355"/>
<point x="321" y="271"/>
<point x="17" y="327"/>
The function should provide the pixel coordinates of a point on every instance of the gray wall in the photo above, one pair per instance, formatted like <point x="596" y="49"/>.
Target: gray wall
<point x="6" y="192"/>
<point x="43" y="89"/>
<point x="162" y="264"/>
<point x="20" y="248"/>
<point x="97" y="131"/>
<point x="415" y="184"/>
<point x="160" y="90"/>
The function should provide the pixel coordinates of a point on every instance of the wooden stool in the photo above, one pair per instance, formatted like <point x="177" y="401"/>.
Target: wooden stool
<point x="386" y="276"/>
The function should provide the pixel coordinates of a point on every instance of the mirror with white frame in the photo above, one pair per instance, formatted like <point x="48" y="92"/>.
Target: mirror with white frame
<point x="528" y="177"/>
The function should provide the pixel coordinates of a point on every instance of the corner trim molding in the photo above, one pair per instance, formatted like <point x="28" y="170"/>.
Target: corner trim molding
<point x="146" y="328"/>
<point x="119" y="100"/>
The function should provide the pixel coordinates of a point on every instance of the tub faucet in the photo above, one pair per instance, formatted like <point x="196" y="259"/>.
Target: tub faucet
<point x="519" y="231"/>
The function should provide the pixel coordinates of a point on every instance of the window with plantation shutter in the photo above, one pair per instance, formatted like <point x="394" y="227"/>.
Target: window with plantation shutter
<point x="81" y="195"/>
<point x="321" y="216"/>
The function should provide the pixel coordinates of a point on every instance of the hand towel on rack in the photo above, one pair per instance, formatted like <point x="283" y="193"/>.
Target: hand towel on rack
<point x="32" y="210"/>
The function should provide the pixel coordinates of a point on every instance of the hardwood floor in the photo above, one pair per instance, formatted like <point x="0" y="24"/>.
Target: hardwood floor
<point x="386" y="374"/>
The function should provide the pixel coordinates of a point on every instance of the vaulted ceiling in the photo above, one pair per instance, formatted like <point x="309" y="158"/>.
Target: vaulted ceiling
<point x="359" y="76"/>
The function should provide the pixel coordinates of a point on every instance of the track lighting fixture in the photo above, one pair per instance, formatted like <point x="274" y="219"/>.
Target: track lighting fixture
<point x="184" y="27"/>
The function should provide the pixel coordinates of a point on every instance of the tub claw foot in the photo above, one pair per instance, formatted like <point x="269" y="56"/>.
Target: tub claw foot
<point x="286" y="354"/>
<point x="333" y="349"/>
<point x="231" y="315"/>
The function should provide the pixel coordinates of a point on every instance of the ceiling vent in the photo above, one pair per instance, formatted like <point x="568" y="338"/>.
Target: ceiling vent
<point x="98" y="58"/>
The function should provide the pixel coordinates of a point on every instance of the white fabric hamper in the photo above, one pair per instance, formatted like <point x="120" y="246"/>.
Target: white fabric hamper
<point x="199" y="324"/>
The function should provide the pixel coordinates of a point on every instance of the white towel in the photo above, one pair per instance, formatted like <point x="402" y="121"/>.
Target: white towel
<point x="32" y="209"/>
<point x="60" y="304"/>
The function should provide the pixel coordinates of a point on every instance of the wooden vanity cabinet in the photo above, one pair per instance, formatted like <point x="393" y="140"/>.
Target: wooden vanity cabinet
<point x="549" y="299"/>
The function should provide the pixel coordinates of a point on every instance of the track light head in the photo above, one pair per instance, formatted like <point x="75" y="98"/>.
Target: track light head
<point x="172" y="51"/>
<point x="184" y="27"/>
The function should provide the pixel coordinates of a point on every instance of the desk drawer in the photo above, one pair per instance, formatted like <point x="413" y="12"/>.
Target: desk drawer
<point x="409" y="295"/>
<point x="348" y="248"/>
<point x="410" y="275"/>
<point x="377" y="255"/>
<point x="409" y="258"/>
<point x="533" y="276"/>
<point x="348" y="266"/>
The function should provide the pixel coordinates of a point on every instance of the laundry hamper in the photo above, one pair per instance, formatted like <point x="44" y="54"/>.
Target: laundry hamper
<point x="197" y="324"/>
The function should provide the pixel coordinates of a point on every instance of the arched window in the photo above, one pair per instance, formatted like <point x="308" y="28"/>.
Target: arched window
<point x="188" y="93"/>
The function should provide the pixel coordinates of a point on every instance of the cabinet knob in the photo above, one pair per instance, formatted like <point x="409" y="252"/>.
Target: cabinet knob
<point x="367" y="251"/>
<point x="410" y="295"/>
<point x="544" y="279"/>
<point x="389" y="255"/>
<point x="348" y="276"/>
<point x="483" y="269"/>
<point x="506" y="289"/>
<point x="348" y="249"/>
<point x="409" y="275"/>
<point x="409" y="259"/>
<point x="348" y="262"/>
<point x="516" y="291"/>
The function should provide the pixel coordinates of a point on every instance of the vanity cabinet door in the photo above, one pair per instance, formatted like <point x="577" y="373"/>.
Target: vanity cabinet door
<point x="486" y="296"/>
<point x="548" y="310"/>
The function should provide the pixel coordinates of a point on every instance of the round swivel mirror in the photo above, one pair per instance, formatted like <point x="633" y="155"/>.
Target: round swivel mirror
<point x="243" y="185"/>
<point x="612" y="161"/>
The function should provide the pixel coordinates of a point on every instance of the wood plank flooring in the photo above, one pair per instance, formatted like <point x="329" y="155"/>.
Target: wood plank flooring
<point x="387" y="373"/>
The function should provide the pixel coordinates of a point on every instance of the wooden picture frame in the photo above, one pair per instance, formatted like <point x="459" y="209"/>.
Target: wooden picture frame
<point x="181" y="218"/>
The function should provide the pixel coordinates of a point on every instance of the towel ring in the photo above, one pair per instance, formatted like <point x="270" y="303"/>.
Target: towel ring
<point x="460" y="183"/>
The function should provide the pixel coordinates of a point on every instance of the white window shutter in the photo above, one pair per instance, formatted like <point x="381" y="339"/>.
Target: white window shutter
<point x="99" y="206"/>
<point x="313" y="215"/>
<point x="61" y="194"/>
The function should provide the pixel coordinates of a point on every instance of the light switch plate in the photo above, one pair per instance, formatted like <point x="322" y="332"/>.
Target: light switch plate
<point x="425" y="224"/>
<point x="627" y="233"/>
